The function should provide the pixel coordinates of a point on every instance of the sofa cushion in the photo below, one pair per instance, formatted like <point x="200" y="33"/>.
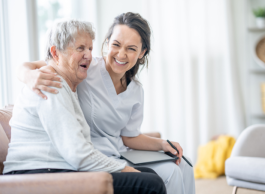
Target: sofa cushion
<point x="3" y="147"/>
<point x="250" y="169"/>
<point x="5" y="116"/>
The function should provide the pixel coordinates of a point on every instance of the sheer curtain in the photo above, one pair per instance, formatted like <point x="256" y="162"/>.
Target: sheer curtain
<point x="192" y="88"/>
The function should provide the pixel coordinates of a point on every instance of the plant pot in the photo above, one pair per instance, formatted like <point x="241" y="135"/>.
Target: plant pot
<point x="260" y="22"/>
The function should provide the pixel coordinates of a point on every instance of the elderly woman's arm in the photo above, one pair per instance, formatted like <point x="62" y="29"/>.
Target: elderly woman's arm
<point x="65" y="131"/>
<point x="38" y="78"/>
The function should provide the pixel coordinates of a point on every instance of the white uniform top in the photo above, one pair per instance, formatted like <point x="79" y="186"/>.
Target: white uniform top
<point x="110" y="115"/>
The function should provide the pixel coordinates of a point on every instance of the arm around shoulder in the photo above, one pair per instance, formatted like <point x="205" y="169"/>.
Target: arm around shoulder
<point x="24" y="69"/>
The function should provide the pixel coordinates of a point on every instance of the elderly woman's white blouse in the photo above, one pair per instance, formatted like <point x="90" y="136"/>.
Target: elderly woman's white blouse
<point x="109" y="115"/>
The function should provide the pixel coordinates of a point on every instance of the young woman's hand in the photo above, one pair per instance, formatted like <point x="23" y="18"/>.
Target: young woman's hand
<point x="40" y="79"/>
<point x="167" y="148"/>
<point x="129" y="169"/>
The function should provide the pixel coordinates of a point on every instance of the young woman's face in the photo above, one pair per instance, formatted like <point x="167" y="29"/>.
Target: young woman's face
<point x="124" y="49"/>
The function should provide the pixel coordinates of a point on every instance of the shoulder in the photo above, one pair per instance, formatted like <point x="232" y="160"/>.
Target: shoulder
<point x="136" y="90"/>
<point x="96" y="61"/>
<point x="48" y="67"/>
<point x="63" y="92"/>
<point x="137" y="87"/>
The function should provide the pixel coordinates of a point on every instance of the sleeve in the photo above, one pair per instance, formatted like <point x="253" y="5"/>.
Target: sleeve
<point x="133" y="127"/>
<point x="57" y="116"/>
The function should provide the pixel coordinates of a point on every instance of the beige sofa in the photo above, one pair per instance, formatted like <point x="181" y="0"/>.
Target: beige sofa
<point x="67" y="183"/>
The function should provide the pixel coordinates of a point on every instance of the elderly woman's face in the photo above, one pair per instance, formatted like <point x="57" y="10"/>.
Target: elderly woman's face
<point x="77" y="58"/>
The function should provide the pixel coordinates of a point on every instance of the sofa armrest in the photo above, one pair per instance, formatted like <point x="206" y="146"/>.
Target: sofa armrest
<point x="250" y="142"/>
<point x="3" y="147"/>
<point x="57" y="183"/>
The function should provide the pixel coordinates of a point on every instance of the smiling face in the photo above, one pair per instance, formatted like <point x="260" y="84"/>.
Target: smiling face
<point x="75" y="61"/>
<point x="124" y="49"/>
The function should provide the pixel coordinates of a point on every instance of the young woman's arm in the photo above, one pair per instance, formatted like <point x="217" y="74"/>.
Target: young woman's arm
<point x="133" y="138"/>
<point x="143" y="142"/>
<point x="37" y="77"/>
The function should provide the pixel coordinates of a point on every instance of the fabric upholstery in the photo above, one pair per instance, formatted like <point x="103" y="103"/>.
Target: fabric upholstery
<point x="3" y="147"/>
<point x="57" y="183"/>
<point x="246" y="166"/>
<point x="5" y="133"/>
<point x="254" y="169"/>
<point x="251" y="142"/>
<point x="5" y="116"/>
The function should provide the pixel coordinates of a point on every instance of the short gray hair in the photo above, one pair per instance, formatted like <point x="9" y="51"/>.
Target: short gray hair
<point x="62" y="33"/>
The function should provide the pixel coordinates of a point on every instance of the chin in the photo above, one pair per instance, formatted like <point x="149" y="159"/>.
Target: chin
<point x="82" y="77"/>
<point x="119" y="69"/>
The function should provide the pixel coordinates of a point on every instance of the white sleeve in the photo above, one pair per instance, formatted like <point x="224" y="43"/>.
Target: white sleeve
<point x="133" y="127"/>
<point x="57" y="116"/>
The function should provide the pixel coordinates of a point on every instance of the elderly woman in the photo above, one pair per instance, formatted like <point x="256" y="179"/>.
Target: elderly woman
<point x="52" y="135"/>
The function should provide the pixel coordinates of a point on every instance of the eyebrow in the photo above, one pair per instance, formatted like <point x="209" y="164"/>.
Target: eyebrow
<point x="128" y="46"/>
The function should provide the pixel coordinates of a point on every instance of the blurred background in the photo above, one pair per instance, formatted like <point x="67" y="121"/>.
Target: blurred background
<point x="203" y="78"/>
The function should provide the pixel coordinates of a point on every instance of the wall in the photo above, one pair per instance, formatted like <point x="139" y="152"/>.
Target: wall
<point x="107" y="11"/>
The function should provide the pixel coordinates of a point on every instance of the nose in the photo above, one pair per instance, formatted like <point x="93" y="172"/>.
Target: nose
<point x="122" y="53"/>
<point x="88" y="54"/>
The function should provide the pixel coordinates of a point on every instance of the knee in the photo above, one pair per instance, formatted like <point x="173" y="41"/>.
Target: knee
<point x="184" y="166"/>
<point x="176" y="169"/>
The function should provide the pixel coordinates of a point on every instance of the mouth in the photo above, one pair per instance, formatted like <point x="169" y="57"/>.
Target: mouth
<point x="84" y="66"/>
<point x="120" y="63"/>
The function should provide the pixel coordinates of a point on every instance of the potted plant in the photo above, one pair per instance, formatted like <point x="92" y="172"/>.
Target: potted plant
<point x="260" y="17"/>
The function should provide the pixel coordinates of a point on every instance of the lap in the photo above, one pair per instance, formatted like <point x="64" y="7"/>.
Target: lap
<point x="37" y="171"/>
<point x="166" y="169"/>
<point x="147" y="181"/>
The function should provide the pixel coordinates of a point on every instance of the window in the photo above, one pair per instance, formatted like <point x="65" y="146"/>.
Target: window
<point x="47" y="12"/>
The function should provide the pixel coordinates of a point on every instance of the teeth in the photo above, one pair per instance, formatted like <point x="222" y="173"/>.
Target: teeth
<point x="122" y="63"/>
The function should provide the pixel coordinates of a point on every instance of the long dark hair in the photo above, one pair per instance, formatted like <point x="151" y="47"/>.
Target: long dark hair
<point x="136" y="22"/>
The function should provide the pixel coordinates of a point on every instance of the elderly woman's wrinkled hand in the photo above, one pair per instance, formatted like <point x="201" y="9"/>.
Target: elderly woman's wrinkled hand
<point x="41" y="79"/>
<point x="129" y="169"/>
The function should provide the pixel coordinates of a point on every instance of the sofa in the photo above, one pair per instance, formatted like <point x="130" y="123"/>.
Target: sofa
<point x="57" y="183"/>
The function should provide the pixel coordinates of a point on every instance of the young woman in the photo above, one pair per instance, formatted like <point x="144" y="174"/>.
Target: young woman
<point x="112" y="99"/>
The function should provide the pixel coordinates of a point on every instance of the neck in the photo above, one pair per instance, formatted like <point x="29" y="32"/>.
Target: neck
<point x="72" y="84"/>
<point x="116" y="79"/>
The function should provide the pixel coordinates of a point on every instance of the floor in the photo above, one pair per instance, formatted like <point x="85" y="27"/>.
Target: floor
<point x="219" y="186"/>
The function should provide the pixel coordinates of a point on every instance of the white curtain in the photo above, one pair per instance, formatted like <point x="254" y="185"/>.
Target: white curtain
<point x="192" y="88"/>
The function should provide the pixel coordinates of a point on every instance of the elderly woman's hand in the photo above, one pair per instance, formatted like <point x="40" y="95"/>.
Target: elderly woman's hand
<point x="41" y="79"/>
<point x="129" y="169"/>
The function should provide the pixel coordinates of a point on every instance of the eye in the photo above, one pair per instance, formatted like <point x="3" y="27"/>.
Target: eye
<point x="115" y="45"/>
<point x="91" y="48"/>
<point x="132" y="49"/>
<point x="80" y="48"/>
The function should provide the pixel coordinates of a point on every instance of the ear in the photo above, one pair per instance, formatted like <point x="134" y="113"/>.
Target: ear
<point x="54" y="53"/>
<point x="107" y="43"/>
<point x="142" y="54"/>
